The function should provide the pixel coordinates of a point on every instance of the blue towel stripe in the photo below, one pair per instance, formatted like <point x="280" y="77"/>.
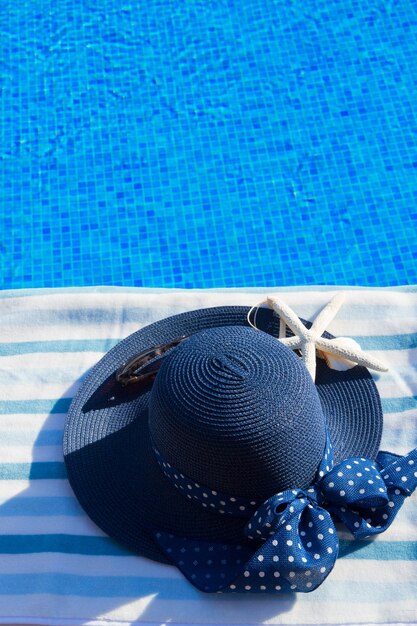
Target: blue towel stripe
<point x="35" y="407"/>
<point x="377" y="342"/>
<point x="104" y="546"/>
<point x="61" y="405"/>
<point x="33" y="471"/>
<point x="57" y="345"/>
<point x="65" y="544"/>
<point x="398" y="405"/>
<point x="23" y="506"/>
<point x="61" y="584"/>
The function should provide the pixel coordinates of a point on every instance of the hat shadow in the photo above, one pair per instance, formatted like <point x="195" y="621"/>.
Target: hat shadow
<point x="158" y="598"/>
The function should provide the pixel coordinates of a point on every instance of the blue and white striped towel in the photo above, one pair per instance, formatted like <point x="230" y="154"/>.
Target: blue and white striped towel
<point x="57" y="567"/>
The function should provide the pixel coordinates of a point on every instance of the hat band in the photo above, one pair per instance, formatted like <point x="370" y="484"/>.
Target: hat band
<point x="300" y="543"/>
<point x="218" y="502"/>
<point x="210" y="499"/>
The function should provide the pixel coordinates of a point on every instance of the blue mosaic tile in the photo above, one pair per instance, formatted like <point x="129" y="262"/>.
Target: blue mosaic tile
<point x="208" y="144"/>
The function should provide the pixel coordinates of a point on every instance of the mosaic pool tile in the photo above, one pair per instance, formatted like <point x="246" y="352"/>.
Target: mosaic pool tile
<point x="208" y="144"/>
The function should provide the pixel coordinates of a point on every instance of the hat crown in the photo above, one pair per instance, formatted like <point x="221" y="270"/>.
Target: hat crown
<point x="235" y="410"/>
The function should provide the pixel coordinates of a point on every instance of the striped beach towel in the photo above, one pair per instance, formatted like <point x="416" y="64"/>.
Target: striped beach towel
<point x="57" y="567"/>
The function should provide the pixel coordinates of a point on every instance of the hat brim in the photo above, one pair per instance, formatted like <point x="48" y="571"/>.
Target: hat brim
<point x="112" y="468"/>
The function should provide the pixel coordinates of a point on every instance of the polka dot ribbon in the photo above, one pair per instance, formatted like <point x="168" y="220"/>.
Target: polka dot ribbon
<point x="290" y="541"/>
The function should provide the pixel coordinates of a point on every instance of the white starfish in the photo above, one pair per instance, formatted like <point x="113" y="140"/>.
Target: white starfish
<point x="308" y="340"/>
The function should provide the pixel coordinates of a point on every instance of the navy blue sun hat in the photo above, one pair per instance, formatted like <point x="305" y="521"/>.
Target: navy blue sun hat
<point x="214" y="450"/>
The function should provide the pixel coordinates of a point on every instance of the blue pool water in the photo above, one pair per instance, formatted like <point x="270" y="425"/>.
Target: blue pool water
<point x="208" y="143"/>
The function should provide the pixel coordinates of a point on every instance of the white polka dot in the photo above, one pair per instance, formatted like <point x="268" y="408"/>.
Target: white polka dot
<point x="253" y="502"/>
<point x="384" y="516"/>
<point x="322" y="569"/>
<point x="307" y="572"/>
<point x="205" y="495"/>
<point x="340" y="473"/>
<point x="381" y="489"/>
<point x="274" y="542"/>
<point x="277" y="587"/>
<point x="404" y="479"/>
<point x="292" y="574"/>
<point x="241" y="508"/>
<point x="304" y="560"/>
<point x="247" y="587"/>
<point x="331" y="484"/>
<point x="289" y="542"/>
<point x="293" y="587"/>
<point x="309" y="544"/>
<point x="246" y="573"/>
<point x="361" y="490"/>
<point x="349" y="466"/>
<point x="261" y="574"/>
<point x="391" y="504"/>
<point x="371" y="482"/>
<point x="303" y="533"/>
<point x="260" y="557"/>
<point x="291" y="509"/>
<point x="342" y="493"/>
<point x="330" y="550"/>
<point x="277" y="574"/>
<point x="275" y="558"/>
<point x="350" y="482"/>
<point x="321" y="517"/>
<point x="309" y="584"/>
<point x="397" y="492"/>
<point x="331" y="531"/>
<point x="222" y="503"/>
<point x="320" y="536"/>
<point x="232" y="587"/>
<point x="288" y="527"/>
<point x="415" y="474"/>
<point x="291" y="559"/>
<point x="262" y="587"/>
<point x="397" y="469"/>
<point x="317" y="556"/>
<point x="356" y="524"/>
<point x="232" y="499"/>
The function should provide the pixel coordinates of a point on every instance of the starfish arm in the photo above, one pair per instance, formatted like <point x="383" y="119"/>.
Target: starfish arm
<point x="294" y="343"/>
<point x="284" y="311"/>
<point x="327" y="314"/>
<point x="350" y="354"/>
<point x="309" y="357"/>
<point x="282" y="328"/>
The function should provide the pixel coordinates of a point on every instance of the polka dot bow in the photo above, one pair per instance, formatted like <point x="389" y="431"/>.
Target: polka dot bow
<point x="290" y="541"/>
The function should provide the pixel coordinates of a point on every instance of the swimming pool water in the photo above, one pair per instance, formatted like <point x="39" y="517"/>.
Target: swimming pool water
<point x="191" y="143"/>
